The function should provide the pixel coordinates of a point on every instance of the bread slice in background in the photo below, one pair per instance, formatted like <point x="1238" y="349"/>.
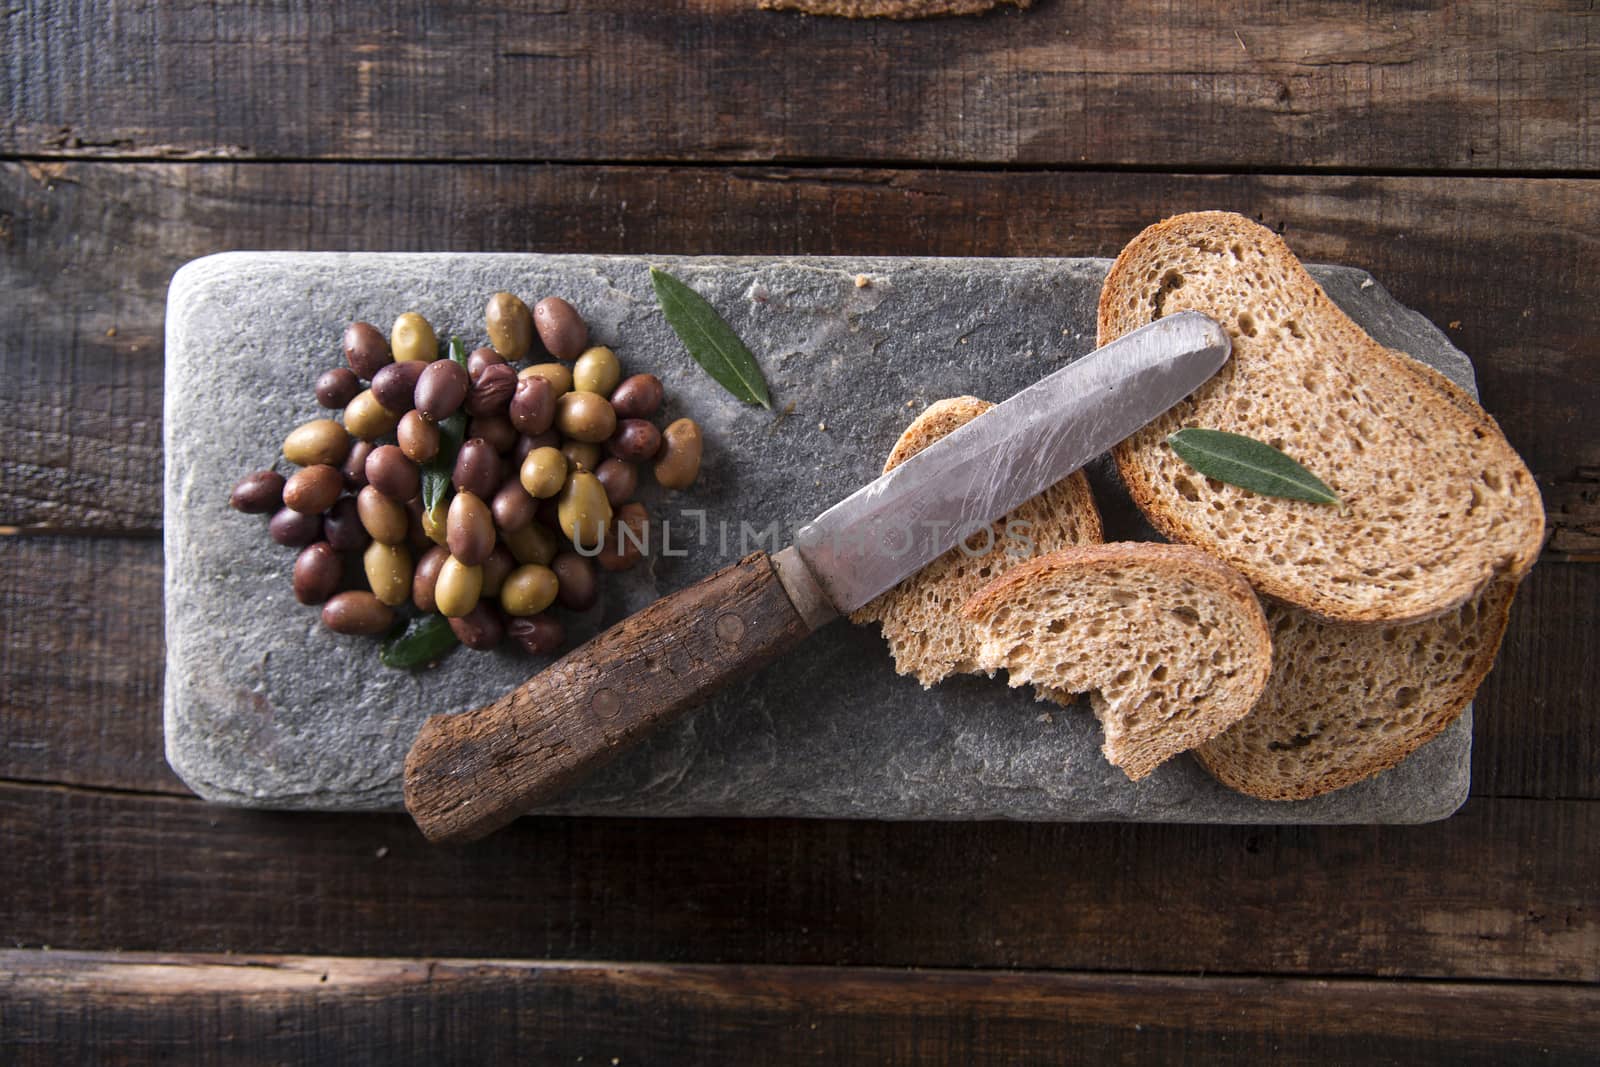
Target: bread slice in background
<point x="1170" y="645"/>
<point x="1437" y="502"/>
<point x="1346" y="701"/>
<point x="921" y="617"/>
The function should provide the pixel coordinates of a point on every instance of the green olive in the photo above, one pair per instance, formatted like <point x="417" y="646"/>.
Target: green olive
<point x="388" y="570"/>
<point x="533" y="543"/>
<point x="583" y="510"/>
<point x="435" y="523"/>
<point x="457" y="590"/>
<point x="412" y="340"/>
<point x="386" y="520"/>
<point x="367" y="419"/>
<point x="582" y="456"/>
<point x="528" y="590"/>
<point x="597" y="371"/>
<point x="678" y="462"/>
<point x="317" y="441"/>
<point x="585" y="417"/>
<point x="543" y="472"/>
<point x="510" y="326"/>
<point x="557" y="374"/>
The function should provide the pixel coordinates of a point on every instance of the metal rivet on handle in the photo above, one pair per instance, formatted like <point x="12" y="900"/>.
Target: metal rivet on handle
<point x="605" y="703"/>
<point x="730" y="628"/>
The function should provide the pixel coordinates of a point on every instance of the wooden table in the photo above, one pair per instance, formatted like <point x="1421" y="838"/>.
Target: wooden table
<point x="1451" y="148"/>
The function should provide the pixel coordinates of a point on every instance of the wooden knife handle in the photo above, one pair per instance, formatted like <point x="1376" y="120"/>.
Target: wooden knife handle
<point x="470" y="774"/>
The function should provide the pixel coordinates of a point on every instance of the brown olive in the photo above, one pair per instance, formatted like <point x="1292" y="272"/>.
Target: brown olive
<point x="477" y="469"/>
<point x="481" y="628"/>
<point x="385" y="520"/>
<point x="491" y="392"/>
<point x="510" y="326"/>
<point x="539" y="635"/>
<point x="357" y="612"/>
<point x="294" y="530"/>
<point x="576" y="585"/>
<point x="637" y="397"/>
<point x="412" y="339"/>
<point x="560" y="327"/>
<point x="512" y="507"/>
<point x="343" y="528"/>
<point x="436" y="522"/>
<point x="317" y="441"/>
<point x="480" y="358"/>
<point x="355" y="465"/>
<point x="425" y="575"/>
<point x="337" y="386"/>
<point x="312" y="490"/>
<point x="458" y="587"/>
<point x="365" y="349"/>
<point x="635" y="441"/>
<point x="469" y="529"/>
<point x="528" y="590"/>
<point x="258" y="493"/>
<point x="627" y="539"/>
<point x="533" y="405"/>
<point x="678" y="462"/>
<point x="581" y="455"/>
<point x="496" y="429"/>
<point x="419" y="438"/>
<point x="441" y="389"/>
<point x="596" y="371"/>
<point x="499" y="564"/>
<point x="525" y="445"/>
<point x="585" y="417"/>
<point x="557" y="374"/>
<point x="396" y="386"/>
<point x="533" y="543"/>
<point x="620" y="480"/>
<point x="317" y="572"/>
<point x="549" y="513"/>
<point x="543" y="472"/>
<point x="392" y="474"/>
<point x="367" y="419"/>
<point x="388" y="570"/>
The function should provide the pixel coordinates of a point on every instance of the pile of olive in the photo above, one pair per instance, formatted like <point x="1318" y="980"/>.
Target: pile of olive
<point x="474" y="490"/>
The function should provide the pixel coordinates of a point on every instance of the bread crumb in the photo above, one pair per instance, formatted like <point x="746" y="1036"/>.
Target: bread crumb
<point x="1455" y="324"/>
<point x="911" y="403"/>
<point x="862" y="281"/>
<point x="1367" y="283"/>
<point x="1045" y="717"/>
<point x="822" y="426"/>
<point x="111" y="332"/>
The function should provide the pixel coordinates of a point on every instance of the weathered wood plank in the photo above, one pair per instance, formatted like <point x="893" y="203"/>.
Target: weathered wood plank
<point x="274" y="1009"/>
<point x="1432" y="84"/>
<point x="86" y="251"/>
<point x="1504" y="890"/>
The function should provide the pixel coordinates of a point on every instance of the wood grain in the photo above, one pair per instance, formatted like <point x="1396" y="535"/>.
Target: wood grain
<point x="468" y="775"/>
<point x="274" y="1009"/>
<point x="1506" y="889"/>
<point x="1432" y="84"/>
<point x="90" y="249"/>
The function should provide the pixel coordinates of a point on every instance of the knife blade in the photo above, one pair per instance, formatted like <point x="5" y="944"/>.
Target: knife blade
<point x="469" y="774"/>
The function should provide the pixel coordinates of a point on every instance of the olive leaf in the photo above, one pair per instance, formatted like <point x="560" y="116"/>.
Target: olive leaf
<point x="1249" y="464"/>
<point x="425" y="639"/>
<point x="452" y="431"/>
<point x="710" y="340"/>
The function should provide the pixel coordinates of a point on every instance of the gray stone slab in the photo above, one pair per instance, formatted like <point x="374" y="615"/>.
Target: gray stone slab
<point x="265" y="708"/>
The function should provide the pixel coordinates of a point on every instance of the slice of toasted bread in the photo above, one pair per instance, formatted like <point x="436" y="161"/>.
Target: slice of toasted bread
<point x="1170" y="645"/>
<point x="1436" y="502"/>
<point x="1346" y="701"/>
<point x="921" y="616"/>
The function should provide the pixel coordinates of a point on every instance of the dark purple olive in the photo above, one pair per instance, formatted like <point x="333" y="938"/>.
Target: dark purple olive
<point x="357" y="612"/>
<point x="492" y="390"/>
<point x="533" y="405"/>
<point x="513" y="508"/>
<point x="576" y="588"/>
<point x="392" y="474"/>
<point x="441" y="389"/>
<point x="343" y="528"/>
<point x="426" y="576"/>
<point x="499" y="564"/>
<point x="294" y="530"/>
<point x="539" y="635"/>
<point x="637" y="397"/>
<point x="317" y="571"/>
<point x="549" y="512"/>
<point x="312" y="490"/>
<point x="620" y="480"/>
<point x="395" y="387"/>
<point x="480" y="358"/>
<point x="561" y="328"/>
<point x="496" y="429"/>
<point x="478" y="469"/>
<point x="526" y="444"/>
<point x="481" y="628"/>
<point x="337" y="387"/>
<point x="635" y="441"/>
<point x="626" y="539"/>
<point x="258" y="493"/>
<point x="366" y="348"/>
<point x="355" y="466"/>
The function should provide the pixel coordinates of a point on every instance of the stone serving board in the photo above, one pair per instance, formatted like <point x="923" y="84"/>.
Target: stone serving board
<point x="265" y="708"/>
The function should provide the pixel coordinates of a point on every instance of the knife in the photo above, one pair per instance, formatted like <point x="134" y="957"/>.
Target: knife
<point x="469" y="774"/>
